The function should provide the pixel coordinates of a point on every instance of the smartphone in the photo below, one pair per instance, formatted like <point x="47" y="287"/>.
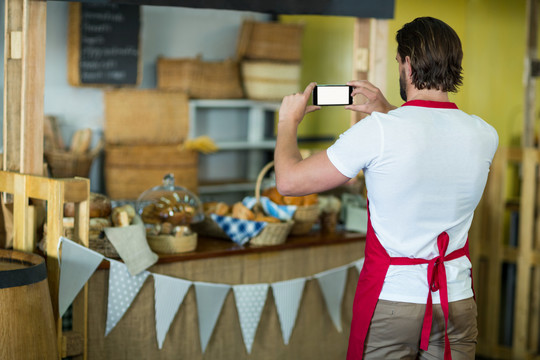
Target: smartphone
<point x="332" y="95"/>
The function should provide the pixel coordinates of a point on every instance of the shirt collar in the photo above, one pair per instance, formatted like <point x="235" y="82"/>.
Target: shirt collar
<point x="431" y="104"/>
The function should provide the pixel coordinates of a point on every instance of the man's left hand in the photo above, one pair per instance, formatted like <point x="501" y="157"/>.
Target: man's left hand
<point x="294" y="107"/>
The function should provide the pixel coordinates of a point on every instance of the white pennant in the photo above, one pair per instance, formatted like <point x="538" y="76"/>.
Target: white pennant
<point x="77" y="265"/>
<point x="169" y="294"/>
<point x="122" y="290"/>
<point x="287" y="296"/>
<point x="359" y="264"/>
<point x="250" y="301"/>
<point x="210" y="298"/>
<point x="332" y="284"/>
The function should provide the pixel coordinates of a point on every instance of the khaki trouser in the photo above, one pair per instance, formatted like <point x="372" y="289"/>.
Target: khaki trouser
<point x="396" y="328"/>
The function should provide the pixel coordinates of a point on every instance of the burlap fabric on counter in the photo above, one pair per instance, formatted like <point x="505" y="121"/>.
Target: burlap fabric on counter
<point x="130" y="243"/>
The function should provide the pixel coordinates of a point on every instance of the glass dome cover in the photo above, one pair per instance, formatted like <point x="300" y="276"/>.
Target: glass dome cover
<point x="169" y="203"/>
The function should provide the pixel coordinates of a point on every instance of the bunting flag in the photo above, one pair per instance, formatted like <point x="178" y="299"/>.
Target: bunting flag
<point x="250" y="300"/>
<point x="169" y="294"/>
<point x="210" y="299"/>
<point x="287" y="296"/>
<point x="122" y="290"/>
<point x="332" y="284"/>
<point x="359" y="264"/>
<point x="77" y="265"/>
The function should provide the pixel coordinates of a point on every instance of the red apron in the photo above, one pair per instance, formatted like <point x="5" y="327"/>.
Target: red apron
<point x="371" y="281"/>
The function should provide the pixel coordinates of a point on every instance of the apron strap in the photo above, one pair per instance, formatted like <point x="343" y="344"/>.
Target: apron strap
<point x="436" y="277"/>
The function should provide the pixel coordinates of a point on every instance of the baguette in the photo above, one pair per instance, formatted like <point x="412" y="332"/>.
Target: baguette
<point x="80" y="142"/>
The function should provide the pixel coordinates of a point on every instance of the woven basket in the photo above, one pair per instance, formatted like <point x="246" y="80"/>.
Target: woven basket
<point x="273" y="233"/>
<point x="97" y="240"/>
<point x="270" y="41"/>
<point x="64" y="164"/>
<point x="168" y="244"/>
<point x="200" y="79"/>
<point x="304" y="219"/>
<point x="267" y="80"/>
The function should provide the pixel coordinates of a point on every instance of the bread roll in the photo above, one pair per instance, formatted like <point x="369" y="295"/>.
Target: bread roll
<point x="239" y="211"/>
<point x="123" y="215"/>
<point x="100" y="206"/>
<point x="270" y="219"/>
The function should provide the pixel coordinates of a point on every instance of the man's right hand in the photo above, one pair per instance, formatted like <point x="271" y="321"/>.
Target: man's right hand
<point x="375" y="99"/>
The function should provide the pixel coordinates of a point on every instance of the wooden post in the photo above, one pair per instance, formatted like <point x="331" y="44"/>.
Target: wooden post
<point x="524" y="263"/>
<point x="530" y="81"/>
<point x="369" y="55"/>
<point x="24" y="82"/>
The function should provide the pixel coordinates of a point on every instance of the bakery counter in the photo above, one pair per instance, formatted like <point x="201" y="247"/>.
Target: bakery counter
<point x="314" y="335"/>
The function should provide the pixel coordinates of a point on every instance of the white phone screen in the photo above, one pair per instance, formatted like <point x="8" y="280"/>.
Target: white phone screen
<point x="333" y="95"/>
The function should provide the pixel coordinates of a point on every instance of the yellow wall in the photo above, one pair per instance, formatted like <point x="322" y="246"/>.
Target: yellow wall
<point x="493" y="37"/>
<point x="327" y="59"/>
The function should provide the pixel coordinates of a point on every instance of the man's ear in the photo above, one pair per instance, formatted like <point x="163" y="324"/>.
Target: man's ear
<point x="408" y="67"/>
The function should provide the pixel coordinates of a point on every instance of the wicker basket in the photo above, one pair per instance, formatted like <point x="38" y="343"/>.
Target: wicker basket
<point x="145" y="116"/>
<point x="200" y="79"/>
<point x="168" y="244"/>
<point x="273" y="233"/>
<point x="304" y="219"/>
<point x="97" y="240"/>
<point x="267" y="80"/>
<point x="270" y="41"/>
<point x="64" y="164"/>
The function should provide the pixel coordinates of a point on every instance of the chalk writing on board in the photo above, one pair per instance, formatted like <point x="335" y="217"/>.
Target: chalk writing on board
<point x="109" y="44"/>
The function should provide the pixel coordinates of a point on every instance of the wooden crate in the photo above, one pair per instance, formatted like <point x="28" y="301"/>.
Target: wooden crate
<point x="200" y="79"/>
<point x="146" y="117"/>
<point x="270" y="80"/>
<point x="131" y="170"/>
<point x="270" y="41"/>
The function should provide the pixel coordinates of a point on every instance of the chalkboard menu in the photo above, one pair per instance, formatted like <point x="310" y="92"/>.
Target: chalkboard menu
<point x="103" y="44"/>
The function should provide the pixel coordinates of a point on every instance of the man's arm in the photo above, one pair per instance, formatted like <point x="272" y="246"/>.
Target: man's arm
<point x="295" y="176"/>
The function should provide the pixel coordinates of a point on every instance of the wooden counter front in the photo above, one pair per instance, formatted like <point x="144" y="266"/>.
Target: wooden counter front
<point x="314" y="335"/>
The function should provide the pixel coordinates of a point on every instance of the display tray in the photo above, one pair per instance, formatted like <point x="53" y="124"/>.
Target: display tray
<point x="212" y="247"/>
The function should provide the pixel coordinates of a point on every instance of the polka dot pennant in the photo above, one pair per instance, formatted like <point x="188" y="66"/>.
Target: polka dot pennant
<point x="122" y="290"/>
<point x="250" y="300"/>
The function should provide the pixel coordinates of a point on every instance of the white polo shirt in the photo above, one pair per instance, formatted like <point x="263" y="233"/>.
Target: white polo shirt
<point x="426" y="165"/>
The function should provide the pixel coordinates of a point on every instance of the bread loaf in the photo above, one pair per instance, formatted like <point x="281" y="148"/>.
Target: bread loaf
<point x="100" y="207"/>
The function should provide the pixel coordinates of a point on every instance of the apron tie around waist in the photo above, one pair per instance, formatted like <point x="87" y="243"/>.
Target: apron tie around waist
<point x="436" y="278"/>
<point x="371" y="280"/>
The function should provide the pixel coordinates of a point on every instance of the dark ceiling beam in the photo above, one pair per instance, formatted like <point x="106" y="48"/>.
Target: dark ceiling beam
<point x="381" y="9"/>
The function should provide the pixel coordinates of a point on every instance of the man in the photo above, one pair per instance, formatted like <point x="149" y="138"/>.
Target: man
<point x="425" y="165"/>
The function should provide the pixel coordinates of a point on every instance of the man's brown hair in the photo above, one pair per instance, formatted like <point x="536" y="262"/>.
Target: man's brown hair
<point x="435" y="53"/>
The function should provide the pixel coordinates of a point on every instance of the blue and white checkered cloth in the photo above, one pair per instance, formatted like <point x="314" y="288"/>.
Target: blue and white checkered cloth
<point x="240" y="231"/>
<point x="282" y="212"/>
